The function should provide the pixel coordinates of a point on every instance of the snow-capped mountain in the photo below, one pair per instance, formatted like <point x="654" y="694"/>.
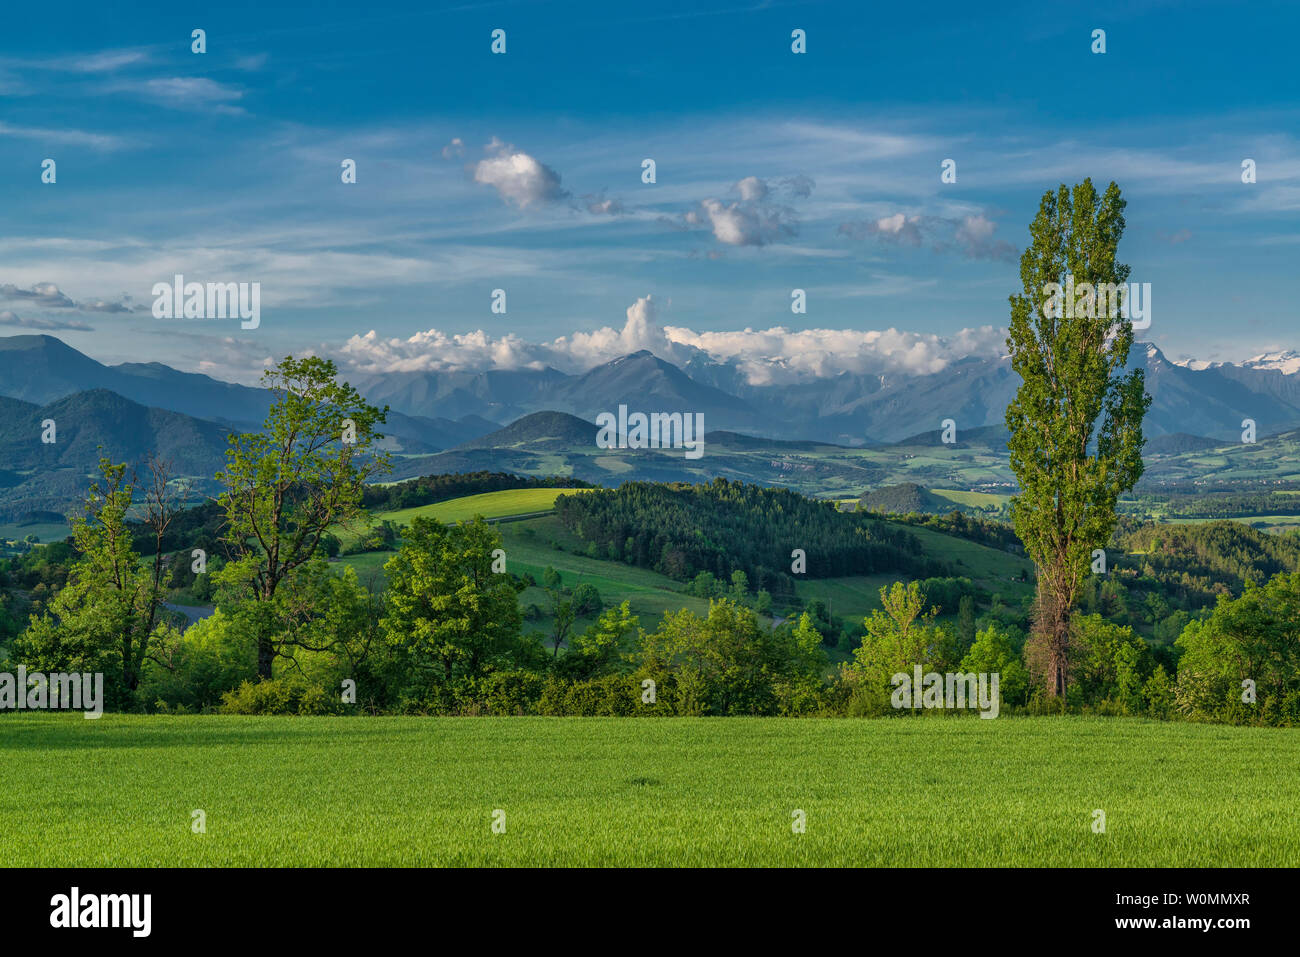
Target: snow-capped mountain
<point x="440" y="409"/>
<point x="1288" y="362"/>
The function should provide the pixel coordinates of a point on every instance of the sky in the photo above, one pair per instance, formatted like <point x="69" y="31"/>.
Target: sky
<point x="523" y="171"/>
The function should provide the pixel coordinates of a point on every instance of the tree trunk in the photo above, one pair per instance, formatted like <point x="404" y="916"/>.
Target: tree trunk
<point x="1052" y="630"/>
<point x="265" y="655"/>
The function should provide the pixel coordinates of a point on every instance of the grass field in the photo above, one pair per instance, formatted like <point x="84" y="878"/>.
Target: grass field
<point x="1274" y="524"/>
<point x="519" y="501"/>
<point x="610" y="791"/>
<point x="45" y="532"/>
<point x="986" y="500"/>
<point x="993" y="569"/>
<point x="507" y="503"/>
<point x="529" y="546"/>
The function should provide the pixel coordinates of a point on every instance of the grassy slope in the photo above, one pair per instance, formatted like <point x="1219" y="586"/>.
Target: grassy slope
<point x="855" y="597"/>
<point x="489" y="504"/>
<point x="46" y="531"/>
<point x="973" y="499"/>
<point x="421" y="791"/>
<point x="529" y="546"/>
<point x="529" y="550"/>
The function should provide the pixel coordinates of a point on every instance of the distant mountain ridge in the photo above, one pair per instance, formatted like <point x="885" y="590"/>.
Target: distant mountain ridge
<point x="851" y="409"/>
<point x="41" y="369"/>
<point x="541" y="421"/>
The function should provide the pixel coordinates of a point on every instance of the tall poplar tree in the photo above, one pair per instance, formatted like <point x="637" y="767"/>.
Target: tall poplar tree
<point x="1076" y="420"/>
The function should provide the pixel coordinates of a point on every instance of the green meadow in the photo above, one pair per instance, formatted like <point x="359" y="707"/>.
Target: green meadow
<point x="503" y="504"/>
<point x="962" y="791"/>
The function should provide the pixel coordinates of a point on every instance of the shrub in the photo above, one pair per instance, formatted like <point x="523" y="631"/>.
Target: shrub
<point x="288" y="694"/>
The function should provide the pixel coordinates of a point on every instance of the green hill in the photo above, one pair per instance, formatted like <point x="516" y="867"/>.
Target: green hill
<point x="544" y="428"/>
<point x="906" y="497"/>
<point x="491" y="505"/>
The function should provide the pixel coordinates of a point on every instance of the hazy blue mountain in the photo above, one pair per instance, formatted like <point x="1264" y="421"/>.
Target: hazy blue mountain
<point x="1176" y="443"/>
<point x="41" y="369"/>
<point x="537" y="430"/>
<point x="645" y="383"/>
<point x="499" y="395"/>
<point x="99" y="422"/>
<point x="438" y="411"/>
<point x="984" y="436"/>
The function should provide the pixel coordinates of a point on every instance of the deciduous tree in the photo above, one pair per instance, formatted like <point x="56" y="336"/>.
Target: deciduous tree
<point x="304" y="472"/>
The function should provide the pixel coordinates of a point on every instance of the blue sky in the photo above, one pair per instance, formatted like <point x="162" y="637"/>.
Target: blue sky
<point x="522" y="171"/>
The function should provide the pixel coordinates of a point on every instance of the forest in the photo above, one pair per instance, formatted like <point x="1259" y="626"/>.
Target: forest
<point x="683" y="530"/>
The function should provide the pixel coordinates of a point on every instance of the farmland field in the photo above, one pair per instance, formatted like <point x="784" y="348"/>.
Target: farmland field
<point x="607" y="791"/>
<point x="520" y="501"/>
<point x="44" y="531"/>
<point x="507" y="503"/>
<point x="985" y="500"/>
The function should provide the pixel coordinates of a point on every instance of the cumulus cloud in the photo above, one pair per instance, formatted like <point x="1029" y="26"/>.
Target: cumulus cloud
<point x="970" y="236"/>
<point x="772" y="356"/>
<point x="44" y="294"/>
<point x="756" y="219"/>
<point x="779" y="356"/>
<point x="519" y="179"/>
<point x="9" y="318"/>
<point x="752" y="189"/>
<point x="454" y="150"/>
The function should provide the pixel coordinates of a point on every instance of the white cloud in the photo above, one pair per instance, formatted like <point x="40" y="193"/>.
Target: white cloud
<point x="754" y="220"/>
<point x="765" y="357"/>
<point x="752" y="189"/>
<point x="517" y="177"/>
<point x="107" y="61"/>
<point x="779" y="355"/>
<point x="183" y="92"/>
<point x="71" y="137"/>
<point x="970" y="235"/>
<point x="742" y="224"/>
<point x="46" y="295"/>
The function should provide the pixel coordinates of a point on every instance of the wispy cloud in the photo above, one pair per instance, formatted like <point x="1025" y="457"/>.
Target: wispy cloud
<point x="182" y="92"/>
<point x="46" y="295"/>
<point x="64" y="136"/>
<point x="9" y="318"/>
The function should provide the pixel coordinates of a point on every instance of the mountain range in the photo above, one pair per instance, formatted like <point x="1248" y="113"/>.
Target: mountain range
<point x="540" y="421"/>
<point x="848" y="408"/>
